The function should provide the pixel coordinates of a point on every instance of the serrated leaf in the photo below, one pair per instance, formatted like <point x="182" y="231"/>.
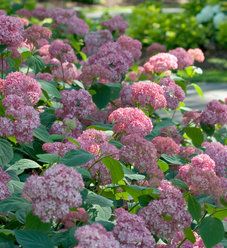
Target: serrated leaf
<point x="6" y="152"/>
<point x="33" y="222"/>
<point x="42" y="134"/>
<point x="163" y="165"/>
<point x="48" y="158"/>
<point x="50" y="89"/>
<point x="22" y="165"/>
<point x="93" y="198"/>
<point x="189" y="235"/>
<point x="13" y="203"/>
<point x="195" y="134"/>
<point x="194" y="208"/>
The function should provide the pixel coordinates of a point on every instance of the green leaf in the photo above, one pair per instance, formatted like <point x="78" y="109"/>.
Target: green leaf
<point x="115" y="169"/>
<point x="103" y="213"/>
<point x="198" y="89"/>
<point x="6" y="152"/>
<point x="102" y="201"/>
<point x="132" y="175"/>
<point x="64" y="239"/>
<point x="48" y="158"/>
<point x="195" y="134"/>
<point x="100" y="126"/>
<point x="13" y="203"/>
<point x="2" y="48"/>
<point x="76" y="157"/>
<point x="32" y="238"/>
<point x="177" y="160"/>
<point x="208" y="129"/>
<point x="15" y="186"/>
<point x="50" y="89"/>
<point x="36" y="63"/>
<point x="24" y="52"/>
<point x="189" y="235"/>
<point x="211" y="231"/>
<point x="33" y="222"/>
<point x="22" y="165"/>
<point x="194" y="208"/>
<point x="179" y="183"/>
<point x="163" y="165"/>
<point x="42" y="134"/>
<point x="104" y="93"/>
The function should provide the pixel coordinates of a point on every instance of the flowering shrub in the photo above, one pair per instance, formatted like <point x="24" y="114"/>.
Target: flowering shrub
<point x="87" y="158"/>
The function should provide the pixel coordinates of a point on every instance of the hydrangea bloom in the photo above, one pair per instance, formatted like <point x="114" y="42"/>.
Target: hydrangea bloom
<point x="156" y="48"/>
<point x="40" y="13"/>
<point x="173" y="92"/>
<point x="131" y="45"/>
<point x="109" y="64"/>
<point x="161" y="62"/>
<point x="53" y="194"/>
<point x="17" y="83"/>
<point x="80" y="215"/>
<point x="58" y="148"/>
<point x="37" y="35"/>
<point x="191" y="116"/>
<point x="44" y="76"/>
<point x="94" y="40"/>
<point x="95" y="235"/>
<point x="172" y="132"/>
<point x="218" y="153"/>
<point x="4" y="179"/>
<point x="201" y="176"/>
<point x="130" y="121"/>
<point x="166" y="145"/>
<point x="214" y="113"/>
<point x="197" y="54"/>
<point x="11" y="31"/>
<point x="62" y="51"/>
<point x="145" y="93"/>
<point x="96" y="142"/>
<point x="167" y="215"/>
<point x="130" y="230"/>
<point x="188" y="151"/>
<point x="184" y="59"/>
<point x="141" y="153"/>
<point x="75" y="103"/>
<point x="116" y="24"/>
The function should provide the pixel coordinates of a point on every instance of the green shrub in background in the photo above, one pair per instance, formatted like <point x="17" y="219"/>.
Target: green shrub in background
<point x="222" y="34"/>
<point x="11" y="6"/>
<point x="149" y="24"/>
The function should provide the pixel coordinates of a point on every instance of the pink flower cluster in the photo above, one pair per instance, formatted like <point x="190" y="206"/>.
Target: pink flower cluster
<point x="167" y="215"/>
<point x="173" y="92"/>
<point x="161" y="62"/>
<point x="155" y="48"/>
<point x="172" y="132"/>
<point x="166" y="145"/>
<point x="44" y="76"/>
<point x="144" y="93"/>
<point x="218" y="153"/>
<point x="201" y="177"/>
<point x="58" y="148"/>
<point x="95" y="235"/>
<point x="4" y="179"/>
<point x="40" y="13"/>
<point x="53" y="194"/>
<point x="214" y="113"/>
<point x="130" y="121"/>
<point x="184" y="59"/>
<point x="116" y="24"/>
<point x="197" y="54"/>
<point x="130" y="230"/>
<point x="80" y="215"/>
<point x="11" y="31"/>
<point x="191" y="117"/>
<point x="20" y="92"/>
<point x="140" y="153"/>
<point x="94" y="40"/>
<point x="37" y="36"/>
<point x="96" y="142"/>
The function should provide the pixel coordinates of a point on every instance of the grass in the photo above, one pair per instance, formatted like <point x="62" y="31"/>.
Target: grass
<point x="212" y="76"/>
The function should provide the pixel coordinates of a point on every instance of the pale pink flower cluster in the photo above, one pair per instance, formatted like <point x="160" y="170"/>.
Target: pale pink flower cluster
<point x="4" y="179"/>
<point x="173" y="92"/>
<point x="184" y="59"/>
<point x="135" y="75"/>
<point x="68" y="127"/>
<point x="94" y="40"/>
<point x="214" y="113"/>
<point x="191" y="117"/>
<point x="11" y="31"/>
<point x="53" y="194"/>
<point x="156" y="48"/>
<point x="131" y="45"/>
<point x="96" y="142"/>
<point x="197" y="54"/>
<point x="161" y="62"/>
<point x="95" y="235"/>
<point x="166" y="145"/>
<point x="172" y="132"/>
<point x="188" y="151"/>
<point x="40" y="13"/>
<point x="167" y="215"/>
<point x="58" y="148"/>
<point x="140" y="153"/>
<point x="130" y="121"/>
<point x="218" y="153"/>
<point x="62" y="51"/>
<point x="44" y="76"/>
<point x="75" y="103"/>
<point x="130" y="230"/>
<point x="144" y="93"/>
<point x="116" y="24"/>
<point x="109" y="64"/>
<point x="37" y="36"/>
<point x="201" y="177"/>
